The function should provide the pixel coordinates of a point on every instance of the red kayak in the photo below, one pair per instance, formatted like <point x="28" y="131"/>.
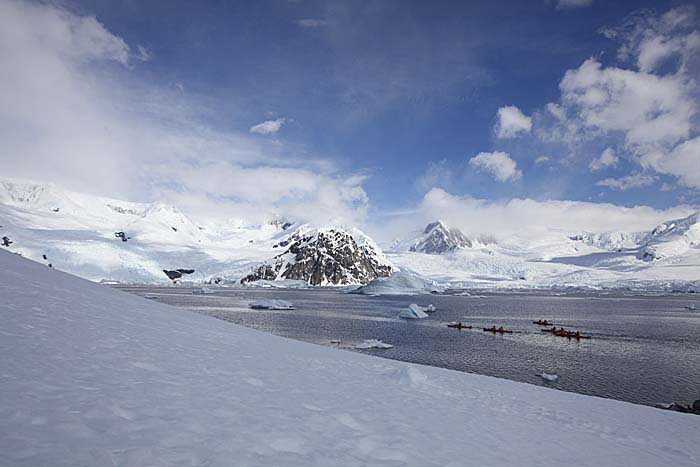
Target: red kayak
<point x="498" y="330"/>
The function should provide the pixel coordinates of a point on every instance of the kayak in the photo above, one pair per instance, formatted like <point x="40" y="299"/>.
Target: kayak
<point x="543" y="323"/>
<point x="458" y="326"/>
<point x="498" y="330"/>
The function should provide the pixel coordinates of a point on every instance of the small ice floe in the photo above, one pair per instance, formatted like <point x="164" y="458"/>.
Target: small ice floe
<point x="550" y="377"/>
<point x="151" y="297"/>
<point x="335" y="341"/>
<point x="203" y="291"/>
<point x="373" y="344"/>
<point x="414" y="312"/>
<point x="690" y="307"/>
<point x="271" y="305"/>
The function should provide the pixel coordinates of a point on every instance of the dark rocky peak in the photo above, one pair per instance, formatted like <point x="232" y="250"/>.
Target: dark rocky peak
<point x="330" y="256"/>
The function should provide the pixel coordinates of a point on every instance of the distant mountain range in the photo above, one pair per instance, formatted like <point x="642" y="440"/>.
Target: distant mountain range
<point x="113" y="240"/>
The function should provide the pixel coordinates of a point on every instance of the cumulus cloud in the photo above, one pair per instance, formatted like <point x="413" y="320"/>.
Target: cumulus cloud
<point x="511" y="122"/>
<point x="646" y="104"/>
<point x="569" y="4"/>
<point x="625" y="183"/>
<point x="74" y="111"/>
<point x="268" y="127"/>
<point x="499" y="164"/>
<point x="607" y="159"/>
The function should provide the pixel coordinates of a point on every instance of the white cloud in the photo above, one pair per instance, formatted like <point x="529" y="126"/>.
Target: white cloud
<point x="498" y="164"/>
<point x="683" y="161"/>
<point x="607" y="158"/>
<point x="648" y="109"/>
<point x="556" y="110"/>
<point x="312" y="22"/>
<point x="568" y="4"/>
<point x="143" y="53"/>
<point x="511" y="122"/>
<point x="542" y="159"/>
<point x="625" y="183"/>
<point x="268" y="127"/>
<point x="646" y="105"/>
<point x="526" y="217"/>
<point x="73" y="113"/>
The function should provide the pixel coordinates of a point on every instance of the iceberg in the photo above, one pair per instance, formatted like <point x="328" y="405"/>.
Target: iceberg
<point x="403" y="282"/>
<point x="373" y="344"/>
<point x="549" y="377"/>
<point x="414" y="312"/>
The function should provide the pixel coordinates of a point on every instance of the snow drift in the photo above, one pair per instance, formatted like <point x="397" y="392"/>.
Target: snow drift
<point x="95" y="376"/>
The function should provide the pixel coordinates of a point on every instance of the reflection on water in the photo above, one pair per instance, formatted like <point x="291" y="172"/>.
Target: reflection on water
<point x="643" y="349"/>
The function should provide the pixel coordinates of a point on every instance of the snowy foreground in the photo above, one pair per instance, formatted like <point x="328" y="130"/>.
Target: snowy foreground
<point x="95" y="376"/>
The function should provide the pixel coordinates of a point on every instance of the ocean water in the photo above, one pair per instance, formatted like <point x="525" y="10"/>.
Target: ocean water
<point x="643" y="349"/>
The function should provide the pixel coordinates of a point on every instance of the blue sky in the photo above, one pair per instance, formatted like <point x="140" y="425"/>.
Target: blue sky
<point x="389" y="100"/>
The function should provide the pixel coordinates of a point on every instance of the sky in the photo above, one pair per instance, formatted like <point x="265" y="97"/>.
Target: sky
<point x="375" y="113"/>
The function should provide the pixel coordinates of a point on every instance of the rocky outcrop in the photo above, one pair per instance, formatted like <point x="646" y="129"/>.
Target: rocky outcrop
<point x="325" y="257"/>
<point x="175" y="274"/>
<point x="122" y="236"/>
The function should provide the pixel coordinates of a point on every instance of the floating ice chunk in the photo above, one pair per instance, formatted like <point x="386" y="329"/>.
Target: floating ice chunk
<point x="373" y="344"/>
<point x="203" y="291"/>
<point x="271" y="305"/>
<point x="549" y="377"/>
<point x="402" y="282"/>
<point x="427" y="309"/>
<point x="414" y="312"/>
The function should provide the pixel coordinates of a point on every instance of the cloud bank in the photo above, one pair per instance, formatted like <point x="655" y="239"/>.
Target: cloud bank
<point x="75" y="109"/>
<point x="525" y="217"/>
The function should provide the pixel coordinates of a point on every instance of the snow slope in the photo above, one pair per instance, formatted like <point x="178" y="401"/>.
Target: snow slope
<point x="95" y="376"/>
<point x="76" y="232"/>
<point x="672" y="239"/>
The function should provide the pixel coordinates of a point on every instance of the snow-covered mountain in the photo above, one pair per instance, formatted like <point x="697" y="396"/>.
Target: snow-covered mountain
<point x="110" y="239"/>
<point x="672" y="239"/>
<point x="437" y="239"/>
<point x="553" y="258"/>
<point x="611" y="241"/>
<point x="325" y="256"/>
<point x="102" y="238"/>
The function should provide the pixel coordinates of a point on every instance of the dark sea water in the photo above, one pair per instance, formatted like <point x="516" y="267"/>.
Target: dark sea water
<point x="644" y="349"/>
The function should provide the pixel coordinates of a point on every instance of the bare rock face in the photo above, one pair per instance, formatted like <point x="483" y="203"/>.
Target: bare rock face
<point x="325" y="257"/>
<point x="438" y="239"/>
<point x="175" y="274"/>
